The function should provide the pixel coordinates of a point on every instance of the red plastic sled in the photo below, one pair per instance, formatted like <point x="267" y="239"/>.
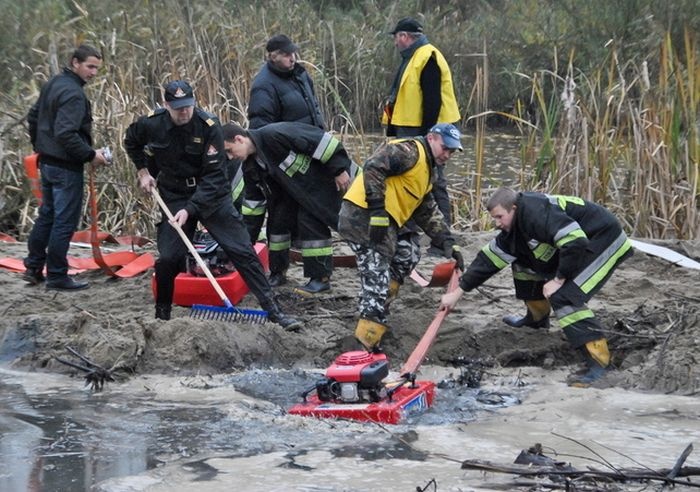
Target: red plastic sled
<point x="190" y="289"/>
<point x="404" y="402"/>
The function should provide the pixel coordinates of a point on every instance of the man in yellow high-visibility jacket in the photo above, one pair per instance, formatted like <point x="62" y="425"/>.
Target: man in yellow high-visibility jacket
<point x="421" y="95"/>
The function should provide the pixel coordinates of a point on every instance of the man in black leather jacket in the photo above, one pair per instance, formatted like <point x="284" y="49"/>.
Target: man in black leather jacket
<point x="183" y="146"/>
<point x="60" y="128"/>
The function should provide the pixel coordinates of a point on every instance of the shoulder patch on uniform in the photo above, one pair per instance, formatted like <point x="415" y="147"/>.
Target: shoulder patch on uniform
<point x="207" y="117"/>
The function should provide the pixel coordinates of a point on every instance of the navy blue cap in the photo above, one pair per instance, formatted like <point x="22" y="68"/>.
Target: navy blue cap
<point x="450" y="135"/>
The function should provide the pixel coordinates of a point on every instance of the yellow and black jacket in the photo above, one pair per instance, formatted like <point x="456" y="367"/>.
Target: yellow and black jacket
<point x="399" y="175"/>
<point x="416" y="90"/>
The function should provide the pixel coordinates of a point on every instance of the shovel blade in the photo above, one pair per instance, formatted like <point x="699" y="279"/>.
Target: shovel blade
<point x="442" y="272"/>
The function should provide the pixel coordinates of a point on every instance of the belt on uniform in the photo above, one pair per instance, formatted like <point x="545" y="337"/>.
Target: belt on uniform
<point x="176" y="183"/>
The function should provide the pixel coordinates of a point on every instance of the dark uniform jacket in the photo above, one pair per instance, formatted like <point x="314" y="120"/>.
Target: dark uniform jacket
<point x="188" y="160"/>
<point x="234" y="173"/>
<point x="555" y="236"/>
<point x="393" y="159"/>
<point x="304" y="160"/>
<point x="283" y="96"/>
<point x="60" y="123"/>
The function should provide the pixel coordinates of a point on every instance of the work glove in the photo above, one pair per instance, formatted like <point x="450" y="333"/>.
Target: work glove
<point x="453" y="251"/>
<point x="378" y="223"/>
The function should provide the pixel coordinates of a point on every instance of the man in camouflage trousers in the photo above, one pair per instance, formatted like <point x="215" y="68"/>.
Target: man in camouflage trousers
<point x="394" y="188"/>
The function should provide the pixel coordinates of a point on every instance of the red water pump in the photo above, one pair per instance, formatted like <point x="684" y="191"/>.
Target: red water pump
<point x="354" y="377"/>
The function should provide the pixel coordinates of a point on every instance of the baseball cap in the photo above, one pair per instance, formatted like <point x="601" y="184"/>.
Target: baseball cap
<point x="282" y="43"/>
<point x="179" y="94"/>
<point x="407" y="24"/>
<point x="450" y="135"/>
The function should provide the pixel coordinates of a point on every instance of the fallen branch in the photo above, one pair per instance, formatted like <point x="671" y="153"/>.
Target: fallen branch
<point x="623" y="474"/>
<point x="679" y="463"/>
<point x="96" y="375"/>
<point x="544" y="466"/>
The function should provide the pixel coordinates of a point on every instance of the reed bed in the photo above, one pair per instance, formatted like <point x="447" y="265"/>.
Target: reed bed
<point x="622" y="131"/>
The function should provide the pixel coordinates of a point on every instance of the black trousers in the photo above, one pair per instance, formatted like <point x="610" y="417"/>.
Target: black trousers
<point x="227" y="228"/>
<point x="289" y="222"/>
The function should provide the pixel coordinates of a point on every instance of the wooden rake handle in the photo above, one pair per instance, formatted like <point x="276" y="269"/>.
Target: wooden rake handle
<point x="190" y="247"/>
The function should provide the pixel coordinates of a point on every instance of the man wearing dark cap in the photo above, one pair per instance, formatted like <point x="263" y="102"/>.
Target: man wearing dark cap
<point x="421" y="95"/>
<point x="394" y="188"/>
<point x="281" y="91"/>
<point x="183" y="147"/>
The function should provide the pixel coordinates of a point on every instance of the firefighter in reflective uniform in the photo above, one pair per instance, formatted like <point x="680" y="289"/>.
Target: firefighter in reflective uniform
<point x="393" y="188"/>
<point x="184" y="147"/>
<point x="562" y="250"/>
<point x="312" y="169"/>
<point x="234" y="171"/>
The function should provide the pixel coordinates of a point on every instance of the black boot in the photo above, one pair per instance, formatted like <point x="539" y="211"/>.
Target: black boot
<point x="527" y="320"/>
<point x="314" y="286"/>
<point x="65" y="283"/>
<point x="33" y="276"/>
<point x="163" y="311"/>
<point x="275" y="314"/>
<point x="277" y="278"/>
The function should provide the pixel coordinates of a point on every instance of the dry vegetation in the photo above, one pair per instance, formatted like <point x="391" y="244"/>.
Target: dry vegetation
<point x="605" y="122"/>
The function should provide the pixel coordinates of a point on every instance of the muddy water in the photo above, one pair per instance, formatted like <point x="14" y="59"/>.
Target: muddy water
<point x="231" y="432"/>
<point x="501" y="166"/>
<point x="56" y="435"/>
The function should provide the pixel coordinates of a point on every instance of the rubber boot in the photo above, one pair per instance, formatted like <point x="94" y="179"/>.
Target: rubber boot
<point x="369" y="333"/>
<point x="163" y="311"/>
<point x="275" y="314"/>
<point x="277" y="278"/>
<point x="597" y="361"/>
<point x="394" y="287"/>
<point x="314" y="286"/>
<point x="537" y="315"/>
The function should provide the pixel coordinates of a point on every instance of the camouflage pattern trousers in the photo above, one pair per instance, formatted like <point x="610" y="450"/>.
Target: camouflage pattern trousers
<point x="376" y="270"/>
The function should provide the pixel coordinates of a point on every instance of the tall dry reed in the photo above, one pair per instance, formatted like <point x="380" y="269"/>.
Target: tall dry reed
<point x="617" y="133"/>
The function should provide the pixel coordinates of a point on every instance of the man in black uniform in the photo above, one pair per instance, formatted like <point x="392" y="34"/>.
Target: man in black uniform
<point x="313" y="169"/>
<point x="562" y="250"/>
<point x="60" y="128"/>
<point x="183" y="146"/>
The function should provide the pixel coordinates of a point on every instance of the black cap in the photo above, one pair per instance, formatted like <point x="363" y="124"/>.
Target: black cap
<point x="407" y="24"/>
<point x="179" y="94"/>
<point x="282" y="43"/>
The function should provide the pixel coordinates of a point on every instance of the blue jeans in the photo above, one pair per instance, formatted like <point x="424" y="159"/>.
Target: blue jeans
<point x="59" y="215"/>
